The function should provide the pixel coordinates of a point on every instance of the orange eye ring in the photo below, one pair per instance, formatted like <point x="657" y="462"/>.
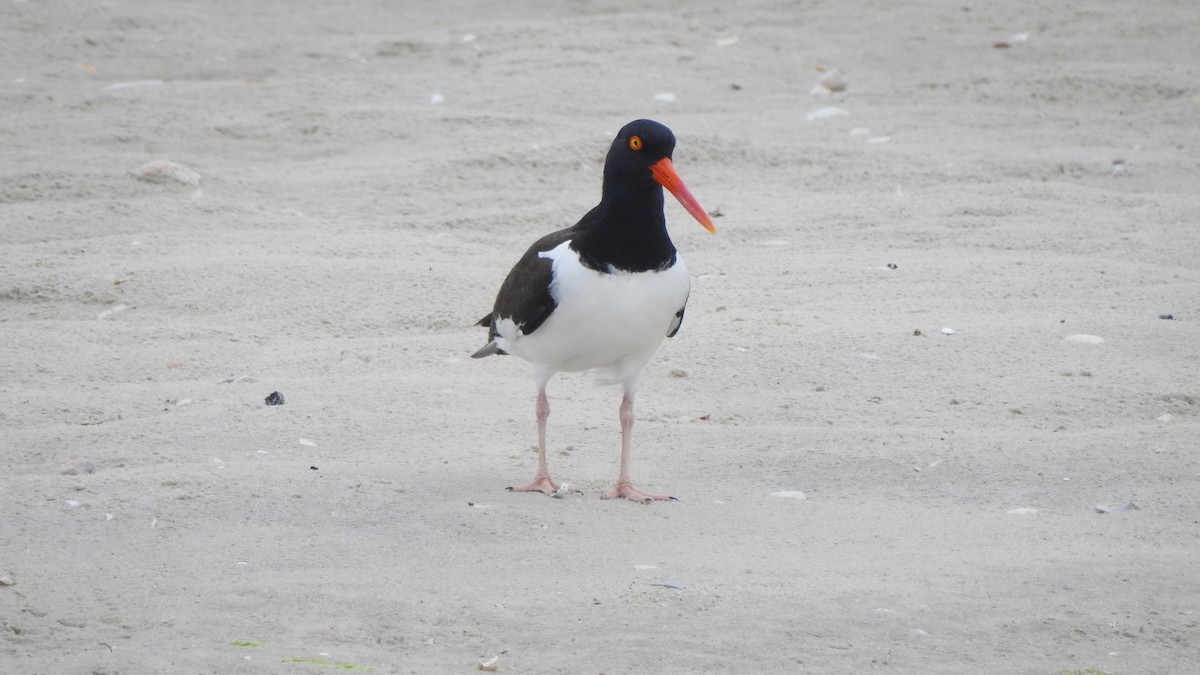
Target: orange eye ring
<point x="635" y="142"/>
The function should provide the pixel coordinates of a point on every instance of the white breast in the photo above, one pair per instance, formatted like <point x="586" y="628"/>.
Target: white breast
<point x="614" y="321"/>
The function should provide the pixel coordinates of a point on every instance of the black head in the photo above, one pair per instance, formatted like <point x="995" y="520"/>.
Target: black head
<point x="639" y="166"/>
<point x="628" y="229"/>
<point x="638" y="146"/>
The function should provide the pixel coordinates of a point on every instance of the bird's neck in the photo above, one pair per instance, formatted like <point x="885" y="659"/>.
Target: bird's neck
<point x="628" y="232"/>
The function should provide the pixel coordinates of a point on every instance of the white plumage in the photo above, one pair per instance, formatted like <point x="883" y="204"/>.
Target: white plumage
<point x="612" y="322"/>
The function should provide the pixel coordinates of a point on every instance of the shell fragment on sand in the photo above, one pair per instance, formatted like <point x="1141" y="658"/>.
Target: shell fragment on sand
<point x="1084" y="339"/>
<point x="133" y="85"/>
<point x="77" y="467"/>
<point x="834" y="80"/>
<point x="1012" y="41"/>
<point x="564" y="490"/>
<point x="115" y="309"/>
<point x="825" y="114"/>
<point x="161" y="170"/>
<point x="1101" y="508"/>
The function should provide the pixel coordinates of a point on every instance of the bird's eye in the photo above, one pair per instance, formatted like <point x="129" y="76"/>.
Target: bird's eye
<point x="635" y="142"/>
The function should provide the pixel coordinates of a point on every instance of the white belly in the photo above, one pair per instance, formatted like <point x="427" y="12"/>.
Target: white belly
<point x="614" y="322"/>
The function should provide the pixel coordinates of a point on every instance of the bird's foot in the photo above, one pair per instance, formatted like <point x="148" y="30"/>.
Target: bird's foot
<point x="541" y="483"/>
<point x="624" y="490"/>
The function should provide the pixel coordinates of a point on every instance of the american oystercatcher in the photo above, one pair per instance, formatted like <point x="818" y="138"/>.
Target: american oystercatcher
<point x="604" y="293"/>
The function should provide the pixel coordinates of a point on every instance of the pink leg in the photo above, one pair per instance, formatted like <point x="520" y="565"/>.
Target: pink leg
<point x="624" y="488"/>
<point x="541" y="480"/>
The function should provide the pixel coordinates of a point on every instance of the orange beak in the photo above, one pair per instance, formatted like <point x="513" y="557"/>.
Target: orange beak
<point x="664" y="173"/>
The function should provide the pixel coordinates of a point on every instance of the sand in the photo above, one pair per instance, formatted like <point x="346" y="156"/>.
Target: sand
<point x="365" y="174"/>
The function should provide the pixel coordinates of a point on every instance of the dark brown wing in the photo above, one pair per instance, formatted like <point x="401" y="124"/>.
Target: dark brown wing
<point x="525" y="296"/>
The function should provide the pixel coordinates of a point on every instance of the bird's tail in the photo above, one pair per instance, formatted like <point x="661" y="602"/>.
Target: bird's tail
<point x="488" y="350"/>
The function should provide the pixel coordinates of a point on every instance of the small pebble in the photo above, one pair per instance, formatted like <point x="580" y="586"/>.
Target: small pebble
<point x="275" y="398"/>
<point x="7" y="580"/>
<point x="1167" y="317"/>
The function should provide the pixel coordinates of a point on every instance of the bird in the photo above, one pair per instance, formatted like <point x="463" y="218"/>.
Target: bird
<point x="602" y="294"/>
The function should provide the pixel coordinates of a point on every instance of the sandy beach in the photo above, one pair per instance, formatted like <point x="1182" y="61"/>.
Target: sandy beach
<point x="935" y="406"/>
